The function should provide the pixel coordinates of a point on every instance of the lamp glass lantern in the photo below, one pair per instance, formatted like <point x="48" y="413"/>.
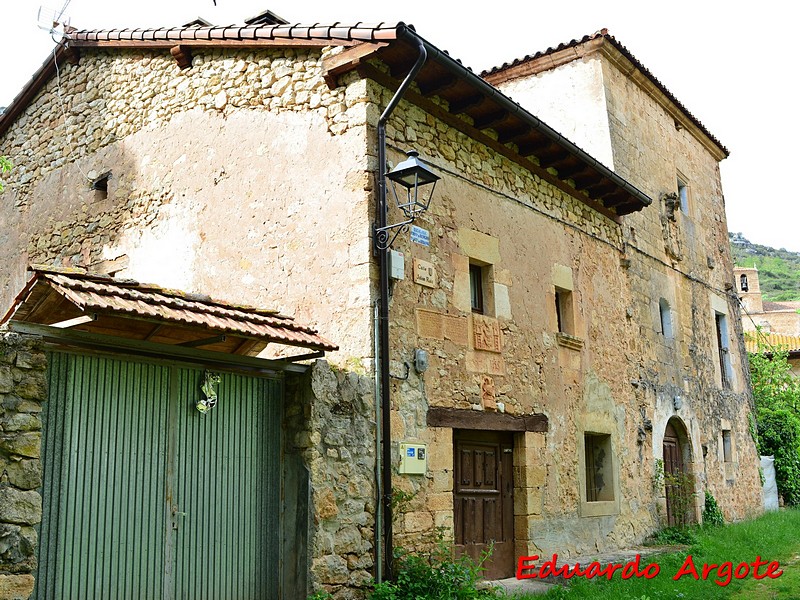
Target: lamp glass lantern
<point x="412" y="175"/>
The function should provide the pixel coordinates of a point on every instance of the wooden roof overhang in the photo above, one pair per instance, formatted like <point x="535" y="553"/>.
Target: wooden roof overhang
<point x="471" y="105"/>
<point x="482" y="112"/>
<point x="99" y="305"/>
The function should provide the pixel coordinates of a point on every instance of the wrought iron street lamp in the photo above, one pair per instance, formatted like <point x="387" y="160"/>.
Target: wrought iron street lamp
<point x="417" y="182"/>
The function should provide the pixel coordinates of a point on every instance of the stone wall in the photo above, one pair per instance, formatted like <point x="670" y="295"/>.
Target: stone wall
<point x="243" y="177"/>
<point x="22" y="392"/>
<point x="330" y="422"/>
<point x="623" y="376"/>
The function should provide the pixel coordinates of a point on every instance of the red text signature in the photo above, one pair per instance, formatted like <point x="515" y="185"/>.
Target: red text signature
<point x="722" y="573"/>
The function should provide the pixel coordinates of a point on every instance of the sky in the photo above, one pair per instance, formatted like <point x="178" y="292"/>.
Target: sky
<point x="732" y="65"/>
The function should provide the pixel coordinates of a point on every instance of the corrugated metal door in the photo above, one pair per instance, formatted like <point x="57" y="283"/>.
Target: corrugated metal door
<point x="226" y="493"/>
<point x="144" y="497"/>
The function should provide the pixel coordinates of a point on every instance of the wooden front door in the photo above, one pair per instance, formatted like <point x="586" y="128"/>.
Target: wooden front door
<point x="483" y="499"/>
<point x="677" y="482"/>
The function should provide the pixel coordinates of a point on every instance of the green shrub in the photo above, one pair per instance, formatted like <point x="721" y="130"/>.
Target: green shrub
<point x="673" y="536"/>
<point x="712" y="513"/>
<point x="779" y="435"/>
<point x="435" y="575"/>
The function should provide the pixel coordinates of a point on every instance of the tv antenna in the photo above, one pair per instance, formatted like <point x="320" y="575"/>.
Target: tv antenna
<point x="54" y="21"/>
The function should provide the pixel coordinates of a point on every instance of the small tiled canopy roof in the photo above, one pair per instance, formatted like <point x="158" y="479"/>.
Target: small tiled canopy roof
<point x="470" y="105"/>
<point x="126" y="308"/>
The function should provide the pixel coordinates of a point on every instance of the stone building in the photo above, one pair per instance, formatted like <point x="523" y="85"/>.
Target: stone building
<point x="778" y="317"/>
<point x="562" y="330"/>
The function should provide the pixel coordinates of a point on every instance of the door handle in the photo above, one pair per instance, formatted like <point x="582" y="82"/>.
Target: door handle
<point x="175" y="515"/>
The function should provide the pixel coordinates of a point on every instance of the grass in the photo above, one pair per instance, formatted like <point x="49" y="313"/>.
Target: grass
<point x="773" y="536"/>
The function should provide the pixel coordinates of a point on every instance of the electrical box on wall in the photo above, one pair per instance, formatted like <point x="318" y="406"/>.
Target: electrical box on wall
<point x="397" y="265"/>
<point x="413" y="459"/>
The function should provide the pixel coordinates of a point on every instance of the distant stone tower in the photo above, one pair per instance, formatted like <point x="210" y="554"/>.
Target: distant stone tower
<point x="749" y="289"/>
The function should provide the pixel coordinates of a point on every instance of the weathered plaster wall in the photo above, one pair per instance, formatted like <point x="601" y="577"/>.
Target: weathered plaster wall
<point x="572" y="101"/>
<point x="786" y="322"/>
<point x="22" y="392"/>
<point x="244" y="178"/>
<point x="693" y="251"/>
<point x="628" y="379"/>
<point x="489" y="210"/>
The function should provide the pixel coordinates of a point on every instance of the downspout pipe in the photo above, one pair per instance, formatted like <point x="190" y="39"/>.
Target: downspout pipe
<point x="385" y="494"/>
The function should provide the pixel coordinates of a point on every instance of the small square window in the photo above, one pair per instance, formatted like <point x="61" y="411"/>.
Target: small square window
<point x="599" y="472"/>
<point x="476" y="289"/>
<point x="565" y="317"/>
<point x="100" y="186"/>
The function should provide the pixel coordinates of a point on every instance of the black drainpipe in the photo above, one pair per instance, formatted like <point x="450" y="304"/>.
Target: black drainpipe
<point x="383" y="329"/>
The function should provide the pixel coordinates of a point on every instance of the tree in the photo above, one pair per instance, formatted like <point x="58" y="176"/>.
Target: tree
<point x="5" y="167"/>
<point x="777" y="395"/>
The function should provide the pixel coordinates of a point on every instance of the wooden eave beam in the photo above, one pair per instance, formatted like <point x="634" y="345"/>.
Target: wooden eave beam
<point x="367" y="70"/>
<point x="533" y="148"/>
<point x="347" y="60"/>
<point x="182" y="55"/>
<point x="569" y="170"/>
<point x="553" y="157"/>
<point x="614" y="200"/>
<point x="437" y="85"/>
<point x="401" y="67"/>
<point x="513" y="133"/>
<point x="490" y="119"/>
<point x="459" y="106"/>
<point x="600" y="190"/>
<point x="593" y="181"/>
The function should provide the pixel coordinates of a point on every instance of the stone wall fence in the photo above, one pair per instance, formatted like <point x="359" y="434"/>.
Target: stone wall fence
<point x="23" y="389"/>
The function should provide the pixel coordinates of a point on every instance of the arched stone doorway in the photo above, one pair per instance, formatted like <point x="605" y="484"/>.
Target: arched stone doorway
<point x="678" y="478"/>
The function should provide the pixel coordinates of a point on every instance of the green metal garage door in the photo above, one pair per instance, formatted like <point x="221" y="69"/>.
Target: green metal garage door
<point x="144" y="496"/>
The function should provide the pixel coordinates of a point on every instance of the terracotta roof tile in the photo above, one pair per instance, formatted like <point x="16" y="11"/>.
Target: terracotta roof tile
<point x="777" y="306"/>
<point x="103" y="293"/>
<point x="359" y="32"/>
<point x="603" y="33"/>
<point x="789" y="343"/>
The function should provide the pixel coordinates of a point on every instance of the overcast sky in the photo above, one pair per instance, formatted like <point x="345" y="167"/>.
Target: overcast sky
<point x="733" y="68"/>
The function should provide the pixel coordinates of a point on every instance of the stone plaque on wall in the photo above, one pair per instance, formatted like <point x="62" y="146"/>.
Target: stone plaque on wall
<point x="430" y="324"/>
<point x="485" y="362"/>
<point x="424" y="273"/>
<point x="486" y="334"/>
<point x="456" y="330"/>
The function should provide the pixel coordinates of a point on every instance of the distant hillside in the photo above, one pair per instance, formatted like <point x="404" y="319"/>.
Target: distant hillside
<point x="778" y="270"/>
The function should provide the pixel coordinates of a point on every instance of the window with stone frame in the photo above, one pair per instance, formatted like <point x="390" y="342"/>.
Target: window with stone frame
<point x="723" y="349"/>
<point x="565" y="311"/>
<point x="683" y="194"/>
<point x="599" y="469"/>
<point x="665" y="318"/>
<point x="727" y="447"/>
